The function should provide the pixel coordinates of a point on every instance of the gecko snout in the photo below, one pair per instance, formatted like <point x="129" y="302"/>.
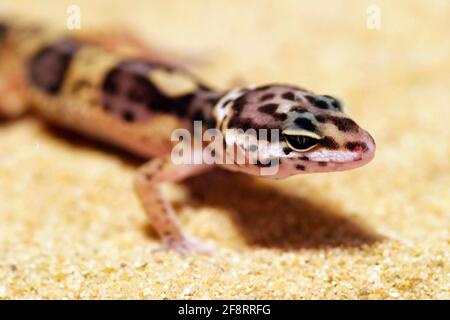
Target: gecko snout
<point x="365" y="147"/>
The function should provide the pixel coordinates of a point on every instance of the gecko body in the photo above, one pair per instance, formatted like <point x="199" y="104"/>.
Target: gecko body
<point x="136" y="104"/>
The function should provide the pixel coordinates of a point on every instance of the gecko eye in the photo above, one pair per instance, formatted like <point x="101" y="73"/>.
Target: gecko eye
<point x="301" y="142"/>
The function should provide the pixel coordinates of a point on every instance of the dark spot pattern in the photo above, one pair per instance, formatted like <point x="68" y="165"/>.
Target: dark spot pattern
<point x="138" y="92"/>
<point x="266" y="97"/>
<point x="322" y="163"/>
<point x="305" y="124"/>
<point x="202" y="109"/>
<point x="128" y="116"/>
<point x="288" y="96"/>
<point x="280" y="116"/>
<point x="47" y="69"/>
<point x="127" y="91"/>
<point x="236" y="121"/>
<point x="3" y="30"/>
<point x="286" y="150"/>
<point x="244" y="123"/>
<point x="304" y="158"/>
<point x="268" y="108"/>
<point x="300" y="167"/>
<point x="344" y="124"/>
<point x="317" y="102"/>
<point x="265" y="165"/>
<point x="198" y="116"/>
<point x="298" y="109"/>
<point x="321" y="118"/>
<point x="239" y="105"/>
<point x="211" y="121"/>
<point x="329" y="143"/>
<point x="335" y="102"/>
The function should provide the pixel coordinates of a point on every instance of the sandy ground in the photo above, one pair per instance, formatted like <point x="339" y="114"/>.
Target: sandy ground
<point x="71" y="227"/>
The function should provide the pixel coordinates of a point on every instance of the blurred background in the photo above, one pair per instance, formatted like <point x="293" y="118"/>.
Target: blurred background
<point x="377" y="232"/>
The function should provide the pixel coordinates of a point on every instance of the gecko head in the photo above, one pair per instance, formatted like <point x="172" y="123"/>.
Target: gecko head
<point x="290" y="129"/>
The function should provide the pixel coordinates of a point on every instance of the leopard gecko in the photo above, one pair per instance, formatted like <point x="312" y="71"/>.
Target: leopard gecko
<point x="136" y="103"/>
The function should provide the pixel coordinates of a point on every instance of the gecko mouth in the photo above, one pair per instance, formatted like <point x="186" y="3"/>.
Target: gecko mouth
<point x="335" y="156"/>
<point x="340" y="162"/>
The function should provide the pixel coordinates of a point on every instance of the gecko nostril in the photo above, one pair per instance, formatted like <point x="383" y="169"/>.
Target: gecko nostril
<point x="356" y="146"/>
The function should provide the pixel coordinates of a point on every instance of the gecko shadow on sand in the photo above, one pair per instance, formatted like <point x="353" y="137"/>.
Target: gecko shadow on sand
<point x="269" y="218"/>
<point x="265" y="215"/>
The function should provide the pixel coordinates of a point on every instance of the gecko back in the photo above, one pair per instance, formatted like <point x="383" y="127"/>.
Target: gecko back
<point x="90" y="89"/>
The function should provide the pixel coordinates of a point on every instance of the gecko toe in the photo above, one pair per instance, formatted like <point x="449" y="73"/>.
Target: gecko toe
<point x="187" y="246"/>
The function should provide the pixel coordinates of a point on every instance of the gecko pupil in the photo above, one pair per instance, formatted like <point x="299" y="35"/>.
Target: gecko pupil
<point x="299" y="142"/>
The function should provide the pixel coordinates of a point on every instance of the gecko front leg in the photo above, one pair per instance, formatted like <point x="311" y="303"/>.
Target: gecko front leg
<point x="159" y="210"/>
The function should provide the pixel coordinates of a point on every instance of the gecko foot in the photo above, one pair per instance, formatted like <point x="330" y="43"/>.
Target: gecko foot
<point x="186" y="246"/>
